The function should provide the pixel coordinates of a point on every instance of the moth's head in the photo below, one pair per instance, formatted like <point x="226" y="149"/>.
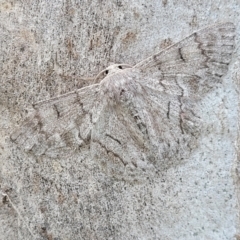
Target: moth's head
<point x="110" y="70"/>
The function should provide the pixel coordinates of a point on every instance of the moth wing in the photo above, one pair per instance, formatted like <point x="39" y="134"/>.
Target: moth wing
<point x="192" y="66"/>
<point x="60" y="125"/>
<point x="145" y="132"/>
<point x="119" y="146"/>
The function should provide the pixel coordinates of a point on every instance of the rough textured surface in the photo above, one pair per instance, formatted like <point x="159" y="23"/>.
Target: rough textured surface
<point x="46" y="49"/>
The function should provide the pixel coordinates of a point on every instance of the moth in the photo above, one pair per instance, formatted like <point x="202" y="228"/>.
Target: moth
<point x="137" y="119"/>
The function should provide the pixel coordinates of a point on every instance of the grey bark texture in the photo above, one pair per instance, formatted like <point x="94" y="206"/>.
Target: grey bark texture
<point x="49" y="48"/>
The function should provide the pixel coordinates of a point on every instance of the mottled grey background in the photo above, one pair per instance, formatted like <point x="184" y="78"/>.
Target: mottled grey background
<point x="52" y="47"/>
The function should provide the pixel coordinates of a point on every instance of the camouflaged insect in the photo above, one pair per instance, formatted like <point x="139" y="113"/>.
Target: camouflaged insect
<point x="136" y="119"/>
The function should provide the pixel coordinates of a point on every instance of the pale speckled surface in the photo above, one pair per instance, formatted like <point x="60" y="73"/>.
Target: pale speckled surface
<point x="46" y="49"/>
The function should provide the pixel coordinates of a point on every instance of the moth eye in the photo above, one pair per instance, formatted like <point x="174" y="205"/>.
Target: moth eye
<point x="120" y="67"/>
<point x="106" y="72"/>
